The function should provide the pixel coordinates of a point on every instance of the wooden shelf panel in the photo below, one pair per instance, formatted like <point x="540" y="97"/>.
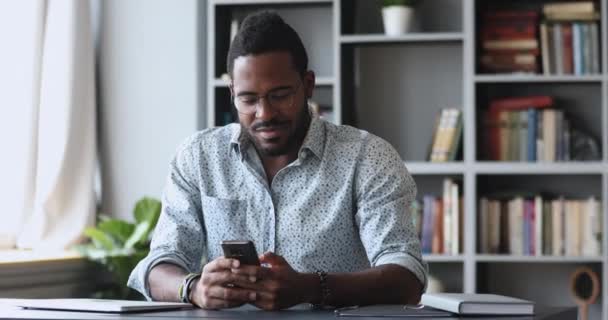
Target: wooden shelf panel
<point x="435" y="168"/>
<point x="517" y="78"/>
<point x="539" y="167"/>
<point x="537" y="259"/>
<point x="320" y="82"/>
<point x="412" y="37"/>
<point x="270" y="2"/>
<point x="442" y="258"/>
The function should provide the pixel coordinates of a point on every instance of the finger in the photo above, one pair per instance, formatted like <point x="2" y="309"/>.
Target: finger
<point x="266" y="301"/>
<point x="214" y="303"/>
<point x="255" y="273"/>
<point x="272" y="259"/>
<point x="231" y="294"/>
<point x="225" y="277"/>
<point x="221" y="264"/>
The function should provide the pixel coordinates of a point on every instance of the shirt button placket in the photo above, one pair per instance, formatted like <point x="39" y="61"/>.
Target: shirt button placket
<point x="273" y="223"/>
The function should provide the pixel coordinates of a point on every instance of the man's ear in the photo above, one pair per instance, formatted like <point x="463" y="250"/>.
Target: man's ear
<point x="309" y="81"/>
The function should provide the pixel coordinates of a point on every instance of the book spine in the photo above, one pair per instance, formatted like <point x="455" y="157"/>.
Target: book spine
<point x="531" y="139"/>
<point x="544" y="44"/>
<point x="559" y="48"/>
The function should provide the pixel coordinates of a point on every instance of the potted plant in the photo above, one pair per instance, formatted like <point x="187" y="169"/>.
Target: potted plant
<point x="397" y="16"/>
<point x="119" y="245"/>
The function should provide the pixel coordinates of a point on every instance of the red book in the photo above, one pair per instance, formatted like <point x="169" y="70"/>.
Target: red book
<point x="521" y="103"/>
<point x="511" y="15"/>
<point x="567" y="47"/>
<point x="499" y="106"/>
<point x="497" y="32"/>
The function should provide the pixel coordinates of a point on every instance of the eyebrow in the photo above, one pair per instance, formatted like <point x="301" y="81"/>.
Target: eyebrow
<point x="250" y="93"/>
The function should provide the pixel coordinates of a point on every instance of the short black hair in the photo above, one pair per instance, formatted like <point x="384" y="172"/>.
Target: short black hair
<point x="265" y="31"/>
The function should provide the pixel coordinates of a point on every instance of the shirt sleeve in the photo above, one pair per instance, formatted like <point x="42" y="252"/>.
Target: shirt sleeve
<point x="179" y="235"/>
<point x="384" y="193"/>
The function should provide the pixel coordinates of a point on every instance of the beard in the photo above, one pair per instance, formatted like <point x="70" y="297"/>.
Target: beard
<point x="296" y="132"/>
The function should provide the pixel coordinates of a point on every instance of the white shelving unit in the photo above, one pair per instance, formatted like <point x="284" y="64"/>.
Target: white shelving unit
<point x="395" y="86"/>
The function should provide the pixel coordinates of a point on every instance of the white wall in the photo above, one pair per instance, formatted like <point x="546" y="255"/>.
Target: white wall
<point x="148" y="94"/>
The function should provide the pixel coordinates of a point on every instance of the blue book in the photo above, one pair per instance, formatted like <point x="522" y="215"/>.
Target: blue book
<point x="577" y="48"/>
<point x="531" y="140"/>
<point x="427" y="224"/>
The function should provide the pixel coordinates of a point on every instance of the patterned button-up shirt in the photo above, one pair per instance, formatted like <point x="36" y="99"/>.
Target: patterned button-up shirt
<point x="341" y="206"/>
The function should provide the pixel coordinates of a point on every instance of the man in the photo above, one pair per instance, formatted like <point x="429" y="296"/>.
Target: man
<point x="327" y="204"/>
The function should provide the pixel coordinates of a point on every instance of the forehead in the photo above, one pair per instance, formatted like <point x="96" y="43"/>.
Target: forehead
<point x="263" y="71"/>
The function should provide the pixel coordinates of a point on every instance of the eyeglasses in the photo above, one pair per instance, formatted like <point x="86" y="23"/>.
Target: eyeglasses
<point x="282" y="99"/>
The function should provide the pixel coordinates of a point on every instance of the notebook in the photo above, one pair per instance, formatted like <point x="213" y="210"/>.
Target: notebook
<point x="478" y="304"/>
<point x="94" y="305"/>
<point x="392" y="311"/>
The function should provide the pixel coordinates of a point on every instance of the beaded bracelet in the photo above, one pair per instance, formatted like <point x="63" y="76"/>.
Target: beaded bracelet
<point x="184" y="289"/>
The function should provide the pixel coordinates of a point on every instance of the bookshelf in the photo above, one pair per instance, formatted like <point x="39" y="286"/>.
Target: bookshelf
<point x="395" y="87"/>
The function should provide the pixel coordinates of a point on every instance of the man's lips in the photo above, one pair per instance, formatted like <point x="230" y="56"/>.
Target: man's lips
<point x="270" y="132"/>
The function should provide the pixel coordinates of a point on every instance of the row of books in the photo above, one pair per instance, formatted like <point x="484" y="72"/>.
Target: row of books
<point x="509" y="41"/>
<point x="570" y="48"/>
<point x="438" y="220"/>
<point x="539" y="226"/>
<point x="526" y="129"/>
<point x="565" y="38"/>
<point x="447" y="136"/>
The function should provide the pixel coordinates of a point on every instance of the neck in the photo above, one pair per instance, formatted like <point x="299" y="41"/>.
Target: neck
<point x="272" y="164"/>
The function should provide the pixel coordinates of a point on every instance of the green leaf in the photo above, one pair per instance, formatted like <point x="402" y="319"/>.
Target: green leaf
<point x="140" y="234"/>
<point x="100" y="239"/>
<point x="120" y="230"/>
<point x="147" y="209"/>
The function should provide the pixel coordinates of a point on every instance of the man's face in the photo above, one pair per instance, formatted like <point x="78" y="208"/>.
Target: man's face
<point x="274" y="128"/>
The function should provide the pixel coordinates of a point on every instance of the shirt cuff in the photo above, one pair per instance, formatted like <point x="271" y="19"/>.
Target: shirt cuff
<point x="418" y="267"/>
<point x="139" y="276"/>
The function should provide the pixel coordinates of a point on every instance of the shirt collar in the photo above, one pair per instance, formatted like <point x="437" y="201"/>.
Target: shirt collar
<point x="314" y="140"/>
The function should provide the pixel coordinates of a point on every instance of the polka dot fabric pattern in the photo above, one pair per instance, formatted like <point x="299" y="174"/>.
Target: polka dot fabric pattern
<point x="341" y="206"/>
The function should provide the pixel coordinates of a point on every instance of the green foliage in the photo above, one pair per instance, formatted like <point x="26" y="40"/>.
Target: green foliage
<point x="407" y="3"/>
<point x="119" y="245"/>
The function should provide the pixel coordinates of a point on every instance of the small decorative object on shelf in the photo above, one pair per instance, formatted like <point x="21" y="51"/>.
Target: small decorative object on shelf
<point x="585" y="288"/>
<point x="397" y="16"/>
<point x="434" y="285"/>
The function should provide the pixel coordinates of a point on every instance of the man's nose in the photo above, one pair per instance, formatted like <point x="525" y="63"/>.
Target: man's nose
<point x="264" y="110"/>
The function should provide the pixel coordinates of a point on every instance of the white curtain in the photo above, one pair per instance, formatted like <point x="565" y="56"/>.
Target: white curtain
<point x="47" y="122"/>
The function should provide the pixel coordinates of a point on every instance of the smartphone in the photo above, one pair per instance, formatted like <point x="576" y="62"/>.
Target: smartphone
<point x="242" y="250"/>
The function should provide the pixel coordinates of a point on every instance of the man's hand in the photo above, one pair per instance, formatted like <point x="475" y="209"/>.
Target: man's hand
<point x="220" y="288"/>
<point x="278" y="286"/>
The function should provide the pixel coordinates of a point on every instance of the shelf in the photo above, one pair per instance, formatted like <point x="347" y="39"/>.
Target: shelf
<point x="442" y="258"/>
<point x="320" y="82"/>
<point x="270" y="2"/>
<point x="540" y="168"/>
<point x="514" y="78"/>
<point x="435" y="168"/>
<point x="538" y="259"/>
<point x="412" y="37"/>
<point x="219" y="83"/>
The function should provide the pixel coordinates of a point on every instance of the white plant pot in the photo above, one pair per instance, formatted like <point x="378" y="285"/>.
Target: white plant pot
<point x="397" y="20"/>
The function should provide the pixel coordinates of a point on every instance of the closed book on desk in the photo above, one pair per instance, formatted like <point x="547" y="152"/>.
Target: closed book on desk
<point x="94" y="305"/>
<point x="392" y="311"/>
<point x="478" y="304"/>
